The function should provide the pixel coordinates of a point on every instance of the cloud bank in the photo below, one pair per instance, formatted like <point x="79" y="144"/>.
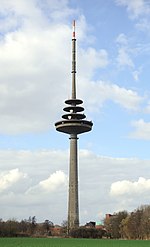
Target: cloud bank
<point x="142" y="130"/>
<point x="128" y="188"/>
<point x="9" y="178"/>
<point x="37" y="182"/>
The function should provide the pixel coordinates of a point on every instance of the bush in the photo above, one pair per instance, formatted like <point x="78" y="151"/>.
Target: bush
<point x="83" y="232"/>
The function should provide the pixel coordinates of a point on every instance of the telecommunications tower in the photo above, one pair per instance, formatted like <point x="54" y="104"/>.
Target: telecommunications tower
<point x="73" y="123"/>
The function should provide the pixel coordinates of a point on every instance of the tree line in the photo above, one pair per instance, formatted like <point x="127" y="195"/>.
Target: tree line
<point x="25" y="228"/>
<point x="135" y="225"/>
<point x="121" y="225"/>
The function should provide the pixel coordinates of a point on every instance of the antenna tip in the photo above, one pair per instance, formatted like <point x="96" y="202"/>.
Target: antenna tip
<point x="73" y="33"/>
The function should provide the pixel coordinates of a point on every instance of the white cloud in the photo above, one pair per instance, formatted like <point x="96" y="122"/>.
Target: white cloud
<point x="138" y="10"/>
<point x="129" y="188"/>
<point x="135" y="7"/>
<point x="124" y="52"/>
<point x="124" y="58"/>
<point x="143" y="25"/>
<point x="35" y="14"/>
<point x="147" y="109"/>
<point x="122" y="39"/>
<point x="9" y="178"/>
<point x="52" y="183"/>
<point x="127" y="98"/>
<point x="90" y="60"/>
<point x="127" y="51"/>
<point x="136" y="73"/>
<point x="32" y="68"/>
<point x="142" y="130"/>
<point x="99" y="92"/>
<point x="33" y="61"/>
<point x="55" y="180"/>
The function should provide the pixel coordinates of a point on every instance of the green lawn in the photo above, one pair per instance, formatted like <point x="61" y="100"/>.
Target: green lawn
<point x="57" y="242"/>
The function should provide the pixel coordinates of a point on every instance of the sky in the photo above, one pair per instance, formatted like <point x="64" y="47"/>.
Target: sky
<point x="113" y="61"/>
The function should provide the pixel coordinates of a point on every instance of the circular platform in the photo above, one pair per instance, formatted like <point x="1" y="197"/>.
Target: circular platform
<point x="73" y="108"/>
<point x="74" y="126"/>
<point x="73" y="101"/>
<point x="75" y="116"/>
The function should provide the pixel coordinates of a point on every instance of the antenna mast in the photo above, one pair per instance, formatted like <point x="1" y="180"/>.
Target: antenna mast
<point x="73" y="62"/>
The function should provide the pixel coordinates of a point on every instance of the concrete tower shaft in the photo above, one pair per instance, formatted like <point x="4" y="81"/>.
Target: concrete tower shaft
<point x="73" y="202"/>
<point x="73" y="123"/>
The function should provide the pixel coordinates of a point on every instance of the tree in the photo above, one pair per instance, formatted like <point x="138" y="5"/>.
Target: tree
<point x="145" y="222"/>
<point x="23" y="226"/>
<point x="48" y="225"/>
<point x="124" y="231"/>
<point x="64" y="228"/>
<point x="131" y="226"/>
<point x="113" y="224"/>
<point x="32" y="225"/>
<point x="134" y="224"/>
<point x="11" y="228"/>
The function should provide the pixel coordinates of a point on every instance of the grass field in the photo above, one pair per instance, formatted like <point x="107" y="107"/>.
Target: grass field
<point x="57" y="242"/>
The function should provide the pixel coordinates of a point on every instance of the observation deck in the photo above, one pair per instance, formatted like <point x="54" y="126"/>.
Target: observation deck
<point x="73" y="122"/>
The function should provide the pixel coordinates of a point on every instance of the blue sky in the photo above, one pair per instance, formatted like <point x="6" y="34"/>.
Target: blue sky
<point x="113" y="63"/>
